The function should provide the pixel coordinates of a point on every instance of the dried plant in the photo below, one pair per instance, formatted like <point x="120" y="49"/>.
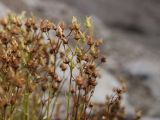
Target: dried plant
<point x="37" y="58"/>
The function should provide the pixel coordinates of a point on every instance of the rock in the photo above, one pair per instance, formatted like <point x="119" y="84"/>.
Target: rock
<point x="148" y="71"/>
<point x="150" y="118"/>
<point x="139" y="18"/>
<point x="143" y="79"/>
<point x="57" y="11"/>
<point x="104" y="86"/>
<point x="4" y="10"/>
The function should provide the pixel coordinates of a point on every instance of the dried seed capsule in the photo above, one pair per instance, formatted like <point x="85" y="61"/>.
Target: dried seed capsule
<point x="98" y="43"/>
<point x="73" y="91"/>
<point x="77" y="36"/>
<point x="15" y="31"/>
<point x="90" y="105"/>
<point x="76" y="26"/>
<point x="30" y="22"/>
<point x="55" y="86"/>
<point x="19" y="82"/>
<point x="57" y="79"/>
<point x="118" y="91"/>
<point x="19" y="23"/>
<point x="44" y="87"/>
<point x="92" y="82"/>
<point x="51" y="70"/>
<point x="63" y="66"/>
<point x="14" y="45"/>
<point x="79" y="80"/>
<point x="90" y="40"/>
<point x="103" y="60"/>
<point x="66" y="61"/>
<point x="46" y="25"/>
<point x="4" y="21"/>
<point x="31" y="88"/>
<point x="13" y="100"/>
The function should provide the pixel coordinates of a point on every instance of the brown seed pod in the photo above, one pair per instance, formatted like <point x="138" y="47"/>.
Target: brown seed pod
<point x="13" y="100"/>
<point x="76" y="26"/>
<point x="98" y="43"/>
<point x="66" y="61"/>
<point x="31" y="88"/>
<point x="32" y="64"/>
<point x="90" y="105"/>
<point x="30" y="22"/>
<point x="15" y="31"/>
<point x="4" y="21"/>
<point x="19" y="23"/>
<point x="92" y="82"/>
<point x="4" y="103"/>
<point x="63" y="66"/>
<point x="90" y="40"/>
<point x="19" y="82"/>
<point x="46" y="25"/>
<point x="5" y="38"/>
<point x="44" y="87"/>
<point x="57" y="79"/>
<point x="77" y="36"/>
<point x="79" y="80"/>
<point x="73" y="90"/>
<point x="51" y="70"/>
<point x="62" y="54"/>
<point x="55" y="86"/>
<point x="103" y="60"/>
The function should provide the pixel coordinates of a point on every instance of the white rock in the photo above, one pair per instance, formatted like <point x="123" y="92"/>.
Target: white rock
<point x="148" y="68"/>
<point x="104" y="87"/>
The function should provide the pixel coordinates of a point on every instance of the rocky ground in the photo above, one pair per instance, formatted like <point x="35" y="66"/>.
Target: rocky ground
<point x="131" y="30"/>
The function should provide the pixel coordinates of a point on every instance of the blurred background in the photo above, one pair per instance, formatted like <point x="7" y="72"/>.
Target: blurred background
<point x="131" y="33"/>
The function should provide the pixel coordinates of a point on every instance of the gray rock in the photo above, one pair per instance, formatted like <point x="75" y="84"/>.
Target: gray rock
<point x="150" y="118"/>
<point x="4" y="10"/>
<point x="143" y="79"/>
<point x="104" y="86"/>
<point x="148" y="70"/>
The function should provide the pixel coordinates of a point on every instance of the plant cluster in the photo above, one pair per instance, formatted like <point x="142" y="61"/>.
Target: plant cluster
<point x="114" y="108"/>
<point x="34" y="59"/>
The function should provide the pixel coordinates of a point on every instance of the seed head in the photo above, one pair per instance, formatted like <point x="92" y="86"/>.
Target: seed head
<point x="79" y="80"/>
<point x="46" y="25"/>
<point x="30" y="22"/>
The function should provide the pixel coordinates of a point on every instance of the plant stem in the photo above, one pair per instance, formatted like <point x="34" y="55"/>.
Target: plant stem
<point x="77" y="104"/>
<point x="69" y="94"/>
<point x="26" y="106"/>
<point x="48" y="105"/>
